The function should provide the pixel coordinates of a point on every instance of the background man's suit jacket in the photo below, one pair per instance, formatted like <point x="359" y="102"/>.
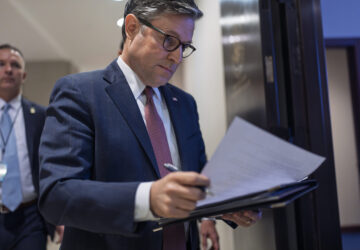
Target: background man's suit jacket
<point x="95" y="151"/>
<point x="34" y="118"/>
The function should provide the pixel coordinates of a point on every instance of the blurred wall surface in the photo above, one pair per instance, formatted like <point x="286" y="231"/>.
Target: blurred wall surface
<point x="41" y="77"/>
<point x="340" y="18"/>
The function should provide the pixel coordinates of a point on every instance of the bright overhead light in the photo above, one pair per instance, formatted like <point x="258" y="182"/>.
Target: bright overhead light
<point x="118" y="0"/>
<point x="120" y="22"/>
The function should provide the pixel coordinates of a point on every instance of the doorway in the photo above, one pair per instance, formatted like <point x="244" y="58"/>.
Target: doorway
<point x="342" y="59"/>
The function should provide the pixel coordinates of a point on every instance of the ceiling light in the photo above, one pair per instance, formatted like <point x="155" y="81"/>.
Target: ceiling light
<point x="120" y="22"/>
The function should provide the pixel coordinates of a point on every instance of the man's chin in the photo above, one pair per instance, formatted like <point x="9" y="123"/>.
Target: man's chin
<point x="158" y="83"/>
<point x="9" y="87"/>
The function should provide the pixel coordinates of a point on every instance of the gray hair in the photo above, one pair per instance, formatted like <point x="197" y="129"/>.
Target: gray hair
<point x="150" y="9"/>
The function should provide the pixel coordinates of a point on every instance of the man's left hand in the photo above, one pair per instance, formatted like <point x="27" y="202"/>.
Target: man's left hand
<point x="60" y="233"/>
<point x="208" y="230"/>
<point x="244" y="218"/>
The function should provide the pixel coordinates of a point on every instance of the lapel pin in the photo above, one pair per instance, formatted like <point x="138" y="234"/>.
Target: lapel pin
<point x="174" y="99"/>
<point x="32" y="110"/>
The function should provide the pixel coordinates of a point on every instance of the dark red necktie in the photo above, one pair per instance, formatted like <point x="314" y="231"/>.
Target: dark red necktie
<point x="173" y="235"/>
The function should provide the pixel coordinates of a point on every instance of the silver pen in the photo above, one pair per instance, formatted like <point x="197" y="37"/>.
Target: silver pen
<point x="173" y="168"/>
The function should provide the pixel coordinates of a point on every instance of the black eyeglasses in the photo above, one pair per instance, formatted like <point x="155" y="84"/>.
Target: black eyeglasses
<point x="171" y="43"/>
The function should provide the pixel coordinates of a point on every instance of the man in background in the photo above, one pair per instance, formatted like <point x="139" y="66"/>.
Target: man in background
<point x="109" y="133"/>
<point x="21" y="123"/>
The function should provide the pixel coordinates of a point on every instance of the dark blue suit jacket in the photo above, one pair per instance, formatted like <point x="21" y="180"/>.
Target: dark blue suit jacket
<point x="34" y="118"/>
<point x="95" y="151"/>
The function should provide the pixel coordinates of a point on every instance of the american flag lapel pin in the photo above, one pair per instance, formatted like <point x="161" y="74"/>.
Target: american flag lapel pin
<point x="174" y="99"/>
<point x="32" y="110"/>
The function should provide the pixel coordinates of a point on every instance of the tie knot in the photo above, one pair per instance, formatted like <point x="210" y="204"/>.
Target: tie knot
<point x="6" y="107"/>
<point x="149" y="92"/>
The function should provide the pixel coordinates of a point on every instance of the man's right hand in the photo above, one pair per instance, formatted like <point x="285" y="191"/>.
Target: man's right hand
<point x="176" y="194"/>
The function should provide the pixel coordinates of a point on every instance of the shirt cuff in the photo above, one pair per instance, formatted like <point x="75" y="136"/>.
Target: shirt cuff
<point x="142" y="203"/>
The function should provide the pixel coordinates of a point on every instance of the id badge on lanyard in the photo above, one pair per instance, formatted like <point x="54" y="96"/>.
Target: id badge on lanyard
<point x="3" y="167"/>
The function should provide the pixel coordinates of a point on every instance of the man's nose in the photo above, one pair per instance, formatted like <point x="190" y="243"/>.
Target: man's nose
<point x="8" y="68"/>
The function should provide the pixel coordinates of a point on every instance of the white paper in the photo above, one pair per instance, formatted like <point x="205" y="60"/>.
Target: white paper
<point x="250" y="160"/>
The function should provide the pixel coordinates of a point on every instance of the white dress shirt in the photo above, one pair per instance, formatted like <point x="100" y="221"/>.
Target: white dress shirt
<point x="27" y="186"/>
<point x="142" y="199"/>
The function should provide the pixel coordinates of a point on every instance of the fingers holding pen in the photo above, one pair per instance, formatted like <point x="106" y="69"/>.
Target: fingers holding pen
<point x="176" y="194"/>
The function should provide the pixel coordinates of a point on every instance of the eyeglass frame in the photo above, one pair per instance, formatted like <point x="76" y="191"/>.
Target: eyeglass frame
<point x="186" y="45"/>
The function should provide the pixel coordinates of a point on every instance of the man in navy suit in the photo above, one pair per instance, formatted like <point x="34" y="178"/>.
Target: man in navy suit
<point x="107" y="134"/>
<point x="21" y="226"/>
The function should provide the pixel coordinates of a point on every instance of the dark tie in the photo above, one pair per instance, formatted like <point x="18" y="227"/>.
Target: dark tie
<point x="11" y="187"/>
<point x="173" y="235"/>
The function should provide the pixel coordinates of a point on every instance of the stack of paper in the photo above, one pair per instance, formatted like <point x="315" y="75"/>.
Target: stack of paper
<point x="249" y="160"/>
<point x="252" y="169"/>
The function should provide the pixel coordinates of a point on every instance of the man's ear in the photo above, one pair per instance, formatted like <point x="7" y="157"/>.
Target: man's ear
<point x="132" y="26"/>
<point x="24" y="76"/>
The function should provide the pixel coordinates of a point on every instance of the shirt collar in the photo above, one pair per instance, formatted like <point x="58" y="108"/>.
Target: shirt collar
<point x="14" y="103"/>
<point x="136" y="85"/>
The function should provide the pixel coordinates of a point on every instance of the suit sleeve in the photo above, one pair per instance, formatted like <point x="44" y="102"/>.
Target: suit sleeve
<point x="68" y="196"/>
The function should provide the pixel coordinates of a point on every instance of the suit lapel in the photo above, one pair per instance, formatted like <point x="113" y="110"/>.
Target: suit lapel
<point x="120" y="93"/>
<point x="29" y="118"/>
<point x="173" y="103"/>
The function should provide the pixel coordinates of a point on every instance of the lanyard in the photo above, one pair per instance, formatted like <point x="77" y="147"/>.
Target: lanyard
<point x="5" y="141"/>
